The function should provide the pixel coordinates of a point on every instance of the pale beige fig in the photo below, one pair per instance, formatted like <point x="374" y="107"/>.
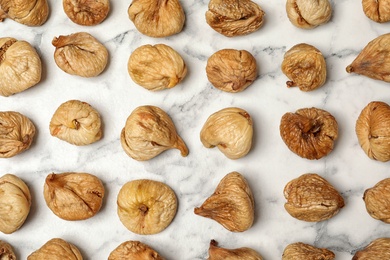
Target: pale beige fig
<point x="377" y="200"/>
<point x="156" y="67"/>
<point x="242" y="253"/>
<point x="377" y="249"/>
<point x="20" y="66"/>
<point x="28" y="12"/>
<point x="157" y="18"/>
<point x="146" y="207"/>
<point x="80" y="54"/>
<point x="231" y="205"/>
<point x="73" y="195"/>
<point x="134" y="250"/>
<point x="309" y="132"/>
<point x="231" y="130"/>
<point x="305" y="66"/>
<point x="148" y="132"/>
<point x="301" y="251"/>
<point x="16" y="133"/>
<point x="377" y="10"/>
<point x="6" y="251"/>
<point x="56" y="249"/>
<point x="308" y="14"/>
<point x="86" y="12"/>
<point x="77" y="123"/>
<point x="312" y="198"/>
<point x="231" y="70"/>
<point x="373" y="130"/>
<point x="15" y="203"/>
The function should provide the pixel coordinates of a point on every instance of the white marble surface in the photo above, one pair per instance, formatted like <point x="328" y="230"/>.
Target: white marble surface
<point x="268" y="167"/>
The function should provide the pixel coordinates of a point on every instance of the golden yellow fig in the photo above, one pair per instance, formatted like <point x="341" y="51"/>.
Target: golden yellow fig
<point x="28" y="12"/>
<point x="134" y="250"/>
<point x="377" y="10"/>
<point x="242" y="253"/>
<point x="56" y="249"/>
<point x="378" y="249"/>
<point x="6" y="251"/>
<point x="301" y="251"/>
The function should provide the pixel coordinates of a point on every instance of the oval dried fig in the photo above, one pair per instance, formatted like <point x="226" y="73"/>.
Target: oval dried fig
<point x="308" y="14"/>
<point x="301" y="251"/>
<point x="86" y="12"/>
<point x="242" y="253"/>
<point x="6" y="251"/>
<point x="28" y="12"/>
<point x="377" y="249"/>
<point x="377" y="200"/>
<point x="377" y="10"/>
<point x="56" y="248"/>
<point x="134" y="250"/>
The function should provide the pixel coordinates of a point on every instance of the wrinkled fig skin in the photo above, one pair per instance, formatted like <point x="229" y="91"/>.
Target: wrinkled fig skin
<point x="16" y="133"/>
<point x="377" y="10"/>
<point x="148" y="132"/>
<point x="20" y="66"/>
<point x="377" y="200"/>
<point x="301" y="251"/>
<point x="134" y="250"/>
<point x="73" y="196"/>
<point x="308" y="14"/>
<point x="80" y="54"/>
<point x="312" y="198"/>
<point x="309" y="132"/>
<point x="6" y="251"/>
<point x="231" y="70"/>
<point x="157" y="18"/>
<point x="56" y="249"/>
<point x="146" y="207"/>
<point x="377" y="249"/>
<point x="242" y="253"/>
<point x="373" y="130"/>
<point x="86" y="12"/>
<point x="231" y="205"/>
<point x="231" y="130"/>
<point x="28" y="12"/>
<point x="305" y="66"/>
<point x="156" y="67"/>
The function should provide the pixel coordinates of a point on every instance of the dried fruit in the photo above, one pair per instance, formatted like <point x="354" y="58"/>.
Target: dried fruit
<point x="134" y="250"/>
<point x="377" y="200"/>
<point x="77" y="123"/>
<point x="242" y="253"/>
<point x="86" y="12"/>
<point x="6" y="251"/>
<point x="73" y="196"/>
<point x="28" y="12"/>
<point x="312" y="198"/>
<point x="377" y="10"/>
<point x="231" y="70"/>
<point x="308" y="14"/>
<point x="146" y="207"/>
<point x="309" y="132"/>
<point x="377" y="249"/>
<point x="157" y="18"/>
<point x="231" y="205"/>
<point x="56" y="248"/>
<point x="301" y="251"/>
<point x="156" y="67"/>
<point x="234" y="17"/>
<point x="305" y="66"/>
<point x="231" y="130"/>
<point x="80" y="54"/>
<point x="20" y="66"/>
<point x="16" y="133"/>
<point x="373" y="130"/>
<point x="148" y="132"/>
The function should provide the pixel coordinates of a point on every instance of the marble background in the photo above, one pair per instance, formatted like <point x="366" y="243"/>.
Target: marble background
<point x="268" y="167"/>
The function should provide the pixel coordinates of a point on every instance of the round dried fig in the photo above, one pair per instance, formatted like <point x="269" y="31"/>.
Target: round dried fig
<point x="77" y="123"/>
<point x="377" y="10"/>
<point x="20" y="66"/>
<point x="156" y="67"/>
<point x="134" y="250"/>
<point x="56" y="248"/>
<point x="146" y="207"/>
<point x="309" y="132"/>
<point x="86" y="12"/>
<point x="377" y="249"/>
<point x="6" y="251"/>
<point x="305" y="66"/>
<point x="308" y="14"/>
<point x="377" y="200"/>
<point x="231" y="70"/>
<point x="28" y="12"/>
<point x="301" y="251"/>
<point x="242" y="253"/>
<point x="80" y="54"/>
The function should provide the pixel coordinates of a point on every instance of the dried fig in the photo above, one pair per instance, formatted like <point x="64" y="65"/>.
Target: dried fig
<point x="6" y="251"/>
<point x="231" y="205"/>
<point x="28" y="12"/>
<point x="301" y="251"/>
<point x="73" y="196"/>
<point x="56" y="248"/>
<point x="146" y="207"/>
<point x="308" y="14"/>
<point x="148" y="132"/>
<point x="242" y="253"/>
<point x="234" y="17"/>
<point x="377" y="10"/>
<point x="20" y="66"/>
<point x="377" y="200"/>
<point x="157" y="18"/>
<point x="231" y="70"/>
<point x="305" y="66"/>
<point x="377" y="249"/>
<point x="80" y="54"/>
<point x="312" y="198"/>
<point x="77" y="123"/>
<point x="86" y="12"/>
<point x="134" y="250"/>
<point x="156" y="67"/>
<point x="373" y="130"/>
<point x="16" y="133"/>
<point x="231" y="130"/>
<point x="309" y="132"/>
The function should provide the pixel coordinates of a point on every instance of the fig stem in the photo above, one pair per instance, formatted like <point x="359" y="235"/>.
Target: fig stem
<point x="290" y="84"/>
<point x="349" y="69"/>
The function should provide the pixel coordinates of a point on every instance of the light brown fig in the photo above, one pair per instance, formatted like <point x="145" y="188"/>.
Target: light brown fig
<point x="6" y="251"/>
<point x="28" y="12"/>
<point x="301" y="251"/>
<point x="56" y="249"/>
<point x="86" y="12"/>
<point x="377" y="249"/>
<point x="308" y="14"/>
<point x="309" y="132"/>
<point x="377" y="200"/>
<point x="242" y="253"/>
<point x="148" y="132"/>
<point x="231" y="205"/>
<point x="377" y="10"/>
<point x="231" y="130"/>
<point x="134" y="250"/>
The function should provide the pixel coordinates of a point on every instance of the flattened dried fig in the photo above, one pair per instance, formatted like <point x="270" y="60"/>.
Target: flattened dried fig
<point x="77" y="123"/>
<point x="377" y="249"/>
<point x="146" y="207"/>
<point x="377" y="10"/>
<point x="231" y="70"/>
<point x="231" y="205"/>
<point x="86" y="12"/>
<point x="20" y="66"/>
<point x="308" y="14"/>
<point x="28" y="12"/>
<point x="80" y="54"/>
<point x="312" y="198"/>
<point x="56" y="248"/>
<point x="305" y="66"/>
<point x="156" y="67"/>
<point x="309" y="132"/>
<point x="148" y="132"/>
<point x="231" y="130"/>
<point x="134" y="250"/>
<point x="6" y="251"/>
<point x="377" y="200"/>
<point x="301" y="251"/>
<point x="242" y="253"/>
<point x="16" y="133"/>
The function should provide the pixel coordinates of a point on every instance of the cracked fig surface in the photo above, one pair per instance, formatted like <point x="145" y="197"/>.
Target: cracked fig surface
<point x="56" y="249"/>
<point x="377" y="249"/>
<point x="134" y="250"/>
<point x="301" y="251"/>
<point x="308" y="14"/>
<point x="377" y="200"/>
